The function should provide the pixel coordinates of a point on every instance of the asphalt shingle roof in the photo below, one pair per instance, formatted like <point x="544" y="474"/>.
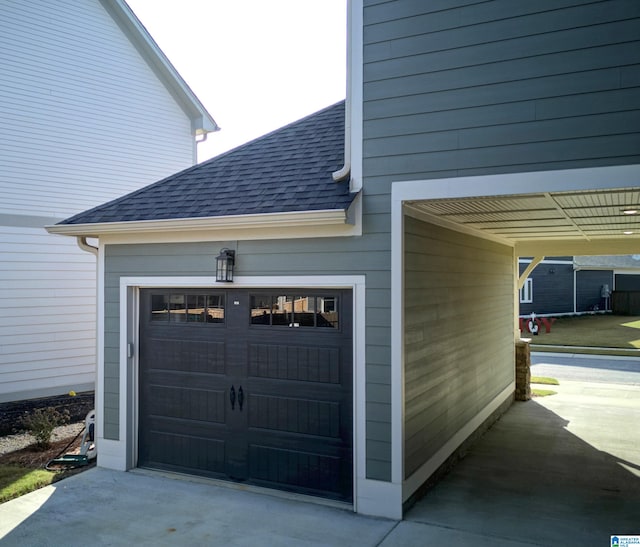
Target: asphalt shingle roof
<point x="287" y="170"/>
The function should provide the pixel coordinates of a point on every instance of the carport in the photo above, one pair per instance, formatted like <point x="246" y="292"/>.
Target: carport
<point x="455" y="282"/>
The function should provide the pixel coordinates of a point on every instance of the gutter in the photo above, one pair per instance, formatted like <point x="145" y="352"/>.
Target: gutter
<point x="323" y="217"/>
<point x="82" y="243"/>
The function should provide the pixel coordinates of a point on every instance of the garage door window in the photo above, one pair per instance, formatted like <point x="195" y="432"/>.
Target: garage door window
<point x="190" y="308"/>
<point x="294" y="311"/>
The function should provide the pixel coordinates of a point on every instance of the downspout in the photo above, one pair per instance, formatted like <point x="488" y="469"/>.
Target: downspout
<point x="342" y="173"/>
<point x="82" y="243"/>
<point x="197" y="142"/>
<point x="345" y="170"/>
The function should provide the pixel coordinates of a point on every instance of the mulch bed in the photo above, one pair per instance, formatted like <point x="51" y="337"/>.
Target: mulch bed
<point x="33" y="458"/>
<point x="11" y="413"/>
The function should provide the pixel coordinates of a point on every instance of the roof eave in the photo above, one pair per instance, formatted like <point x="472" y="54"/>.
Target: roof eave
<point x="201" y="121"/>
<point x="323" y="217"/>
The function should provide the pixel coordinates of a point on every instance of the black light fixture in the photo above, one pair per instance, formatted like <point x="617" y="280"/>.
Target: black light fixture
<point x="224" y="265"/>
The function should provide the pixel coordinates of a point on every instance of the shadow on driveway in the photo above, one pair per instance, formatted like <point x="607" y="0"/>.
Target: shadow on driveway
<point x="563" y="470"/>
<point x="531" y="480"/>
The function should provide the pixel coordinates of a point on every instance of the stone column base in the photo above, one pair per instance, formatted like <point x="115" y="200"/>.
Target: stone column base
<point x="523" y="370"/>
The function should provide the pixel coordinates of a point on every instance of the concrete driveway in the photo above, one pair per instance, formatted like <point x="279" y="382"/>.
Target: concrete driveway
<point x="560" y="470"/>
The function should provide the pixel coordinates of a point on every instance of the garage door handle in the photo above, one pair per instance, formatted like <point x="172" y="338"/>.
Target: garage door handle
<point x="232" y="397"/>
<point x="240" y="398"/>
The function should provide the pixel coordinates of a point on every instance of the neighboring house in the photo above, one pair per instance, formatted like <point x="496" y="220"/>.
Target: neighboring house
<point x="624" y="269"/>
<point x="90" y="108"/>
<point x="561" y="286"/>
<point x="577" y="284"/>
<point x="477" y="133"/>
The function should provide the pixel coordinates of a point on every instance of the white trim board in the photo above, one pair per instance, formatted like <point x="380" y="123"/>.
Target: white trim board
<point x="545" y="261"/>
<point x="536" y="182"/>
<point x="201" y="121"/>
<point x="122" y="456"/>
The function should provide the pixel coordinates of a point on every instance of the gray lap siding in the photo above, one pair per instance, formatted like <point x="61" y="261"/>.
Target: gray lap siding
<point x="458" y="333"/>
<point x="493" y="87"/>
<point x="464" y="88"/>
<point x="450" y="88"/>
<point x="368" y="255"/>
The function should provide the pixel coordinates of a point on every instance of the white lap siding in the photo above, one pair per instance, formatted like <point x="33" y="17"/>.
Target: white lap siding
<point x="47" y="314"/>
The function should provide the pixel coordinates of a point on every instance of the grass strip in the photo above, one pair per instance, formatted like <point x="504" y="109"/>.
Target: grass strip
<point x="592" y="332"/>
<point x="542" y="392"/>
<point x="16" y="481"/>
<point x="544" y="380"/>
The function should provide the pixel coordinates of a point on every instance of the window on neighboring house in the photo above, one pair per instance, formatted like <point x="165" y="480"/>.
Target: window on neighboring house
<point x="526" y="292"/>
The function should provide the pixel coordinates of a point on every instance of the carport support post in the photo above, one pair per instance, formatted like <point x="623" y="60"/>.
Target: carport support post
<point x="523" y="370"/>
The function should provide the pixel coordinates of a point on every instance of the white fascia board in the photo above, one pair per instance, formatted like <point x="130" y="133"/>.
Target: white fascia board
<point x="201" y="121"/>
<point x="250" y="226"/>
<point x="536" y="182"/>
<point x="545" y="261"/>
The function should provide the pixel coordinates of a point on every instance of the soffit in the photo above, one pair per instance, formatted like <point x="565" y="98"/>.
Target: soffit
<point x="575" y="216"/>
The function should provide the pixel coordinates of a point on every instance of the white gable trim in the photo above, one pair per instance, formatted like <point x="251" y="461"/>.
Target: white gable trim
<point x="201" y="120"/>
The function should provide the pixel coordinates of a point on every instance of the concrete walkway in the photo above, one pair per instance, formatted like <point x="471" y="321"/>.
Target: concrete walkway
<point x="557" y="470"/>
<point x="560" y="470"/>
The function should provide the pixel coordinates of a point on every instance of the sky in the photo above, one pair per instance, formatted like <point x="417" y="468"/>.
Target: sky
<point x="255" y="65"/>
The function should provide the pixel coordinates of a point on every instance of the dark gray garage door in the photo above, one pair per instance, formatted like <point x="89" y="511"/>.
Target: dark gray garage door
<point x="251" y="386"/>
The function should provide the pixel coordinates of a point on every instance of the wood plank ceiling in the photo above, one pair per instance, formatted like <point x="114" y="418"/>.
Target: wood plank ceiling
<point x="578" y="215"/>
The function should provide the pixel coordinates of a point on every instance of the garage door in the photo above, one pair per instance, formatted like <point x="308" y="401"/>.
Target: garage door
<point x="249" y="386"/>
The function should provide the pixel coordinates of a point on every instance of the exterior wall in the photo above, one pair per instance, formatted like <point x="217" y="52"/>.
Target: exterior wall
<point x="458" y="333"/>
<point x="469" y="88"/>
<point x="588" y="289"/>
<point x="449" y="90"/>
<point x="558" y="289"/>
<point x="317" y="257"/>
<point x="84" y="120"/>
<point x="553" y="289"/>
<point x="47" y="314"/>
<point x="627" y="282"/>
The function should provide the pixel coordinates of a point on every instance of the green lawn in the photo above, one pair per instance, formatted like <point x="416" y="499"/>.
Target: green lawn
<point x="592" y="331"/>
<point x="16" y="481"/>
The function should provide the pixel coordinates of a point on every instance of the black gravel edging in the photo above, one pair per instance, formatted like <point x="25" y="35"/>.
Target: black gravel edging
<point x="11" y="413"/>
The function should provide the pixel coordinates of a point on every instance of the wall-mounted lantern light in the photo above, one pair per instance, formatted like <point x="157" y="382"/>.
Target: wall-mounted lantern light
<point x="224" y="265"/>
